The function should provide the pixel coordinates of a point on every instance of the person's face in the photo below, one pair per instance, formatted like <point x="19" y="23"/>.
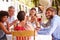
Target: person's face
<point x="49" y="14"/>
<point x="11" y="11"/>
<point x="32" y="12"/>
<point x="4" y="18"/>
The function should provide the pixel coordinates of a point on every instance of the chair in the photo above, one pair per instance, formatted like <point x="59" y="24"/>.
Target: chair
<point x="26" y="33"/>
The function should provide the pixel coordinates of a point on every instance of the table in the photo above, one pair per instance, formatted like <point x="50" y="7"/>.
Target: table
<point x="43" y="37"/>
<point x="38" y="37"/>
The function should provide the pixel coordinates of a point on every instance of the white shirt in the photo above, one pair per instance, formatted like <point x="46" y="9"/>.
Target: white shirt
<point x="11" y="19"/>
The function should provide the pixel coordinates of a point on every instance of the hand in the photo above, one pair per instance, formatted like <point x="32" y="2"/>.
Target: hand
<point x="37" y="28"/>
<point x="14" y="22"/>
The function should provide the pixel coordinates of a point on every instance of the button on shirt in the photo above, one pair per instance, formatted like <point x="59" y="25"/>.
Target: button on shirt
<point x="53" y="29"/>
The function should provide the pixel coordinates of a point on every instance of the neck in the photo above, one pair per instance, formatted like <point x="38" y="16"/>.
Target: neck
<point x="22" y="24"/>
<point x="10" y="16"/>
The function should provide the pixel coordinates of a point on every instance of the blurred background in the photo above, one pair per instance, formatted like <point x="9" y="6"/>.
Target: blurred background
<point x="25" y="5"/>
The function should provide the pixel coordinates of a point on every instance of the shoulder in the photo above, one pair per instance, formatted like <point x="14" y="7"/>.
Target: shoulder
<point x="1" y="24"/>
<point x="56" y="19"/>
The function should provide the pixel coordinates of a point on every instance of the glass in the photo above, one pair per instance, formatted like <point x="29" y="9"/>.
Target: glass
<point x="39" y="19"/>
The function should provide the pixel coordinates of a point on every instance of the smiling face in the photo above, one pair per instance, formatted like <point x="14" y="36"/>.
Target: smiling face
<point x="4" y="18"/>
<point x="32" y="12"/>
<point x="11" y="11"/>
<point x="49" y="14"/>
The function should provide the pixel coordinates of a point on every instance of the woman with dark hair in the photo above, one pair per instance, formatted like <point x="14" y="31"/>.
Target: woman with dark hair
<point x="3" y="30"/>
<point x="32" y="12"/>
<point x="33" y="18"/>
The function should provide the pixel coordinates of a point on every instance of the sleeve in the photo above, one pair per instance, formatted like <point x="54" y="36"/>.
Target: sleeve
<point x="54" y="26"/>
<point x="49" y="30"/>
<point x="44" y="31"/>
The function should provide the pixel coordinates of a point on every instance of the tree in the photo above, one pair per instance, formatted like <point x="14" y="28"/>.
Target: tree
<point x="56" y="3"/>
<point x="36" y="2"/>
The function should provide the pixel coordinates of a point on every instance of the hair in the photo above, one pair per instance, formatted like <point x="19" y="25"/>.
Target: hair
<point x="21" y="15"/>
<point x="33" y="9"/>
<point x="52" y="9"/>
<point x="11" y="7"/>
<point x="2" y="14"/>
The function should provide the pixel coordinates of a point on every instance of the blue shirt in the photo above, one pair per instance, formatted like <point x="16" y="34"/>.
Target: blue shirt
<point x="53" y="29"/>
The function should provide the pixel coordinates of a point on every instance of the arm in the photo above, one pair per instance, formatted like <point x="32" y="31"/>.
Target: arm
<point x="14" y="22"/>
<point x="54" y="26"/>
<point x="37" y="23"/>
<point x="8" y="25"/>
<point x="4" y="29"/>
<point x="51" y="29"/>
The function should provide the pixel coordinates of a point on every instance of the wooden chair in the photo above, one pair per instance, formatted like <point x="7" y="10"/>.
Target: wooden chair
<point x="23" y="34"/>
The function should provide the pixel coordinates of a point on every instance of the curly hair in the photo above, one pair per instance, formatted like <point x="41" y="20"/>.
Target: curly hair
<point x="2" y="14"/>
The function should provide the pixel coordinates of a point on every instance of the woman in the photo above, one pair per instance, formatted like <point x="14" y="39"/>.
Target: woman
<point x="33" y="18"/>
<point x="3" y="30"/>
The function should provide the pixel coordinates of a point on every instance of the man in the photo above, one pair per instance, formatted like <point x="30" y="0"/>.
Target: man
<point x="54" y="28"/>
<point x="11" y="18"/>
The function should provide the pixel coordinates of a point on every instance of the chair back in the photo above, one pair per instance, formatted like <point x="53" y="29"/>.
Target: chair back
<point x="25" y="33"/>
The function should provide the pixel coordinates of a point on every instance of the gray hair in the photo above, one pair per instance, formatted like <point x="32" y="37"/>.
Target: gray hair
<point x="11" y="7"/>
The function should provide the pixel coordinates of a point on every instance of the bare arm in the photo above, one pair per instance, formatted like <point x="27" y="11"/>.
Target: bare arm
<point x="8" y="25"/>
<point x="4" y="29"/>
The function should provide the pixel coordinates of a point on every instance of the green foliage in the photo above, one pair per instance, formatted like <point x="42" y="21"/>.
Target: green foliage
<point x="56" y="3"/>
<point x="36" y="2"/>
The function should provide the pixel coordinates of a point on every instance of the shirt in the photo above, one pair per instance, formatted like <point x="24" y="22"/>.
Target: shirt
<point x="53" y="29"/>
<point x="11" y="19"/>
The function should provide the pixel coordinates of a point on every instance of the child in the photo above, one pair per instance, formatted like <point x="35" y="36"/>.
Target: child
<point x="21" y="24"/>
